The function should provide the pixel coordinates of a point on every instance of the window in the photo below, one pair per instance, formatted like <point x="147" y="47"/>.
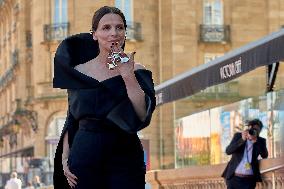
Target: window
<point x="213" y="12"/>
<point x="59" y="11"/>
<point x="55" y="127"/>
<point x="52" y="55"/>
<point x="59" y="27"/>
<point x="192" y="144"/>
<point x="53" y="135"/>
<point x="126" y="7"/>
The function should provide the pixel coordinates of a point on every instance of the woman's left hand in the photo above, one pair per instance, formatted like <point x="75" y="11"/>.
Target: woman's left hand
<point x="126" y="68"/>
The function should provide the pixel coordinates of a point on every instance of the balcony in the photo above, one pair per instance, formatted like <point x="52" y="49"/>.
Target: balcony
<point x="215" y="33"/>
<point x="55" y="32"/>
<point x="9" y="74"/>
<point x="134" y="32"/>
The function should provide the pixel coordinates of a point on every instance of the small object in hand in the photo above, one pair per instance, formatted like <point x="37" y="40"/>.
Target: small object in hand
<point x="124" y="58"/>
<point x="111" y="66"/>
<point x="117" y="57"/>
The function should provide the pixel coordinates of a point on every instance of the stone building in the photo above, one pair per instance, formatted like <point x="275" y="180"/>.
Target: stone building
<point x="169" y="36"/>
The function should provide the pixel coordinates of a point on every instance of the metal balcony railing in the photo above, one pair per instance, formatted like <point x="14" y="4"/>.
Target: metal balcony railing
<point x="215" y="33"/>
<point x="9" y="74"/>
<point x="56" y="32"/>
<point x="133" y="31"/>
<point x="7" y="77"/>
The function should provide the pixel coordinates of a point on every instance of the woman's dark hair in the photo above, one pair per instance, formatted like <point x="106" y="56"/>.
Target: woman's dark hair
<point x="103" y="11"/>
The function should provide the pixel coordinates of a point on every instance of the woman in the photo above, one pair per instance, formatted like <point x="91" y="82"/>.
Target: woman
<point x="110" y="98"/>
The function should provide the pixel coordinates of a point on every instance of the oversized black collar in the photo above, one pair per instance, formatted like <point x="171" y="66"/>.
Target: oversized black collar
<point x="75" y="50"/>
<point x="72" y="51"/>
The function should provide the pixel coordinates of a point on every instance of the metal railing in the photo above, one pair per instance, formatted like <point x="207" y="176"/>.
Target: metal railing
<point x="8" y="75"/>
<point x="133" y="31"/>
<point x="56" y="32"/>
<point x="6" y="78"/>
<point x="215" y="33"/>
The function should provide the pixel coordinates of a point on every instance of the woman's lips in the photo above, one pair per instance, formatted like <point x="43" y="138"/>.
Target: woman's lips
<point x="114" y="41"/>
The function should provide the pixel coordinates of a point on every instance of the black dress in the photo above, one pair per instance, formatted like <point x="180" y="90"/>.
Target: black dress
<point x="105" y="151"/>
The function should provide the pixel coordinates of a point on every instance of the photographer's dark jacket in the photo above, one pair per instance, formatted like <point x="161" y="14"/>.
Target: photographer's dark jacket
<point x="236" y="148"/>
<point x="89" y="98"/>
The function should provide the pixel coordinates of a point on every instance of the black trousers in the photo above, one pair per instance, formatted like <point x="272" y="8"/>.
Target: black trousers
<point x="107" y="160"/>
<point x="240" y="183"/>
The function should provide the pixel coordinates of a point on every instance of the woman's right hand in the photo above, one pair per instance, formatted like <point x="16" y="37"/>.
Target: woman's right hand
<point x="71" y="178"/>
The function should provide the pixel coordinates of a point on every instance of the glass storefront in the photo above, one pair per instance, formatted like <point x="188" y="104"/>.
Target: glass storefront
<point x="201" y="138"/>
<point x="204" y="123"/>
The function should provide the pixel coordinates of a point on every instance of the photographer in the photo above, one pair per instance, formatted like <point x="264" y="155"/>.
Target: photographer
<point x="242" y="170"/>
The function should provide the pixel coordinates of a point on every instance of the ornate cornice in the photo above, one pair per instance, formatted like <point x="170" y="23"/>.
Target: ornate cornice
<point x="22" y="118"/>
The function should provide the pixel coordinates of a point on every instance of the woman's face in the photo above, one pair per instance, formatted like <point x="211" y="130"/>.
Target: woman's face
<point x="110" y="30"/>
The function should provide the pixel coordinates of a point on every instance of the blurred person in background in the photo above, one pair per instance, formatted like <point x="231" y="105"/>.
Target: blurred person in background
<point x="37" y="183"/>
<point x="29" y="185"/>
<point x="111" y="98"/>
<point x="14" y="182"/>
<point x="242" y="171"/>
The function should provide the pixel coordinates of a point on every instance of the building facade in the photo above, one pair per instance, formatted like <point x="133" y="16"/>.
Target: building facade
<point x="169" y="36"/>
<point x="195" y="32"/>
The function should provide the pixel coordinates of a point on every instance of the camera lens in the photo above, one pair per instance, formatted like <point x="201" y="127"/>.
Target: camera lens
<point x="253" y="132"/>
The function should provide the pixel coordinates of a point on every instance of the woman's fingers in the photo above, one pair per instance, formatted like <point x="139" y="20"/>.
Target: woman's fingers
<point x="71" y="178"/>
<point x="115" y="47"/>
<point x="117" y="58"/>
<point x="131" y="56"/>
<point x="71" y="184"/>
<point x="71" y="181"/>
<point x="118" y="47"/>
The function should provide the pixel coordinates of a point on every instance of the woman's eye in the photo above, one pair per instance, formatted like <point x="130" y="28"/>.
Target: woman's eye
<point x="106" y="27"/>
<point x="120" y="27"/>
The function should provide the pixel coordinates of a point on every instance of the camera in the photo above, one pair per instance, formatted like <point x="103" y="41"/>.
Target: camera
<point x="253" y="132"/>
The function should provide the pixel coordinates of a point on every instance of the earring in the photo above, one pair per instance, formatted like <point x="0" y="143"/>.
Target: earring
<point x="91" y="31"/>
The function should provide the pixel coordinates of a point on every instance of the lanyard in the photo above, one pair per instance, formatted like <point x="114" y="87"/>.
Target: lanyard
<point x="247" y="151"/>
